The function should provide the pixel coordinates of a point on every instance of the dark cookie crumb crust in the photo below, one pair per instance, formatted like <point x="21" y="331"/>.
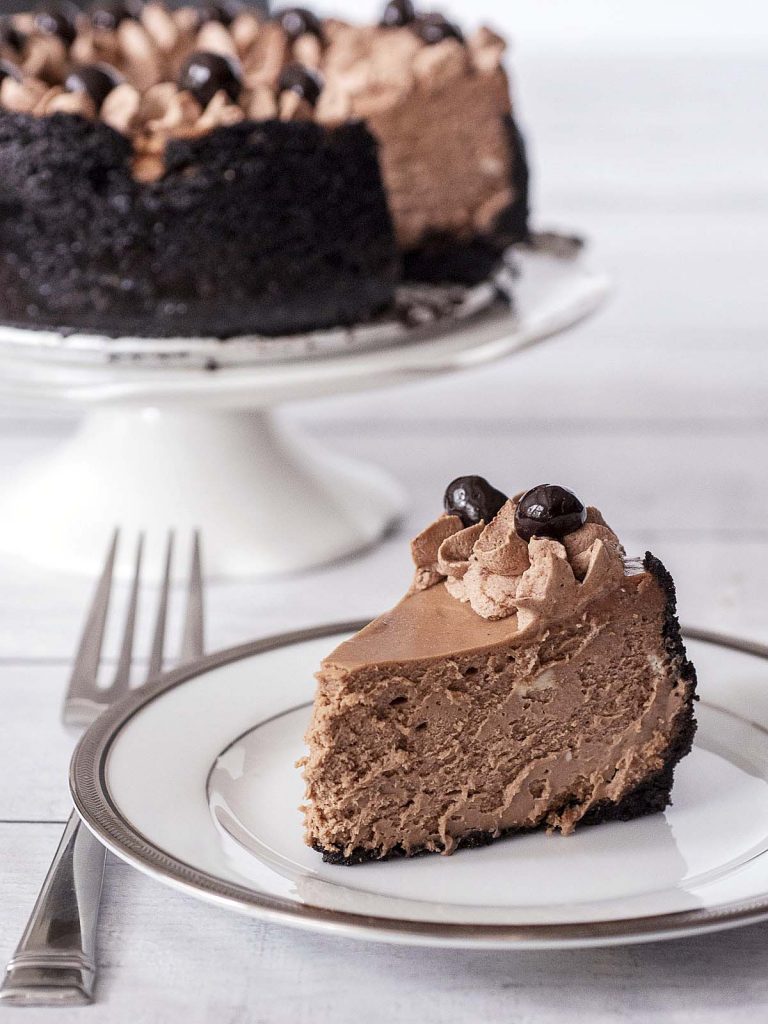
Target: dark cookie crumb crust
<point x="269" y="227"/>
<point x="652" y="795"/>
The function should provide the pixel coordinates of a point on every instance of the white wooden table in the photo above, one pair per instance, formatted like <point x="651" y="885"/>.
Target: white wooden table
<point x="655" y="411"/>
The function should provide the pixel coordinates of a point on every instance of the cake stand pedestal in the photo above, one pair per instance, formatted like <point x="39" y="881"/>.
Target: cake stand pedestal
<point x="171" y="444"/>
<point x="266" y="500"/>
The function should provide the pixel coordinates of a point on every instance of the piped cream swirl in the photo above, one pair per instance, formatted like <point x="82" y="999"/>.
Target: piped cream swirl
<point x="367" y="72"/>
<point x="499" y="574"/>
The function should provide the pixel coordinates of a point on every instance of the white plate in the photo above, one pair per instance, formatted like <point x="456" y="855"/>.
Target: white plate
<point x="194" y="782"/>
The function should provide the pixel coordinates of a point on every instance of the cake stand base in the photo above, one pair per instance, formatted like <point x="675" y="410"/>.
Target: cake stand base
<point x="166" y="442"/>
<point x="266" y="500"/>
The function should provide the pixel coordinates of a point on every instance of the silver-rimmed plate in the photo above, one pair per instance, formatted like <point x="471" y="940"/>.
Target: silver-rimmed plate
<point x="193" y="782"/>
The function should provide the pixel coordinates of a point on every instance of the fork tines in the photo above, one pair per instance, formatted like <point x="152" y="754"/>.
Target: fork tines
<point x="85" y="699"/>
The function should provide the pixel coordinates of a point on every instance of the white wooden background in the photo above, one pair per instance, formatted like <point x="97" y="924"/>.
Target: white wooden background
<point x="655" y="411"/>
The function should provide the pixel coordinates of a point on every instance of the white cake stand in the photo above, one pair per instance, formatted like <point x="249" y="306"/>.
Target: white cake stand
<point x="165" y="442"/>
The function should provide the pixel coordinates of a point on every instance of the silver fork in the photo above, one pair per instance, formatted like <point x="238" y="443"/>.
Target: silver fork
<point x="55" y="961"/>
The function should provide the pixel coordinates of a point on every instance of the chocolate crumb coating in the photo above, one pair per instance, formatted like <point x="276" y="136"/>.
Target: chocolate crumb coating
<point x="438" y="198"/>
<point x="267" y="228"/>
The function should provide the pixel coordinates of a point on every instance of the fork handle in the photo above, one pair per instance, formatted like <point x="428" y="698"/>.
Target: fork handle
<point x="55" y="961"/>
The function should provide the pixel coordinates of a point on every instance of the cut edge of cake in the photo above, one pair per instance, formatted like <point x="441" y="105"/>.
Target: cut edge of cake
<point x="650" y="794"/>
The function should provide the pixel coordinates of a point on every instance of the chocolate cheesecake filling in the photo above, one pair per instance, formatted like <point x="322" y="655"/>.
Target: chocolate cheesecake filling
<point x="436" y="727"/>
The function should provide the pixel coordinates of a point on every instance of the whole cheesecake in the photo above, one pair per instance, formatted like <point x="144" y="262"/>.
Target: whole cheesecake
<point x="532" y="677"/>
<point x="216" y="171"/>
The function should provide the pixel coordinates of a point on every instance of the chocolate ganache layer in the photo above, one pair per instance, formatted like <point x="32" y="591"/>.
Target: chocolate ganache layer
<point x="213" y="170"/>
<point x="519" y="684"/>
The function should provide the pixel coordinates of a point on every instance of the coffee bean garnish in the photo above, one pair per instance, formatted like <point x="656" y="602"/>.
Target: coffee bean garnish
<point x="8" y="70"/>
<point x="472" y="498"/>
<point x="95" y="80"/>
<point x="204" y="74"/>
<point x="301" y="80"/>
<point x="434" y="28"/>
<point x="10" y="35"/>
<point x="224" y="11"/>
<point x="296" y="21"/>
<point x="107" y="15"/>
<point x="548" y="511"/>
<point x="398" y="13"/>
<point x="58" y="19"/>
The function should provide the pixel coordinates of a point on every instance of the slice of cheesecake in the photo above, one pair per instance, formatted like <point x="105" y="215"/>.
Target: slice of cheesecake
<point x="532" y="676"/>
